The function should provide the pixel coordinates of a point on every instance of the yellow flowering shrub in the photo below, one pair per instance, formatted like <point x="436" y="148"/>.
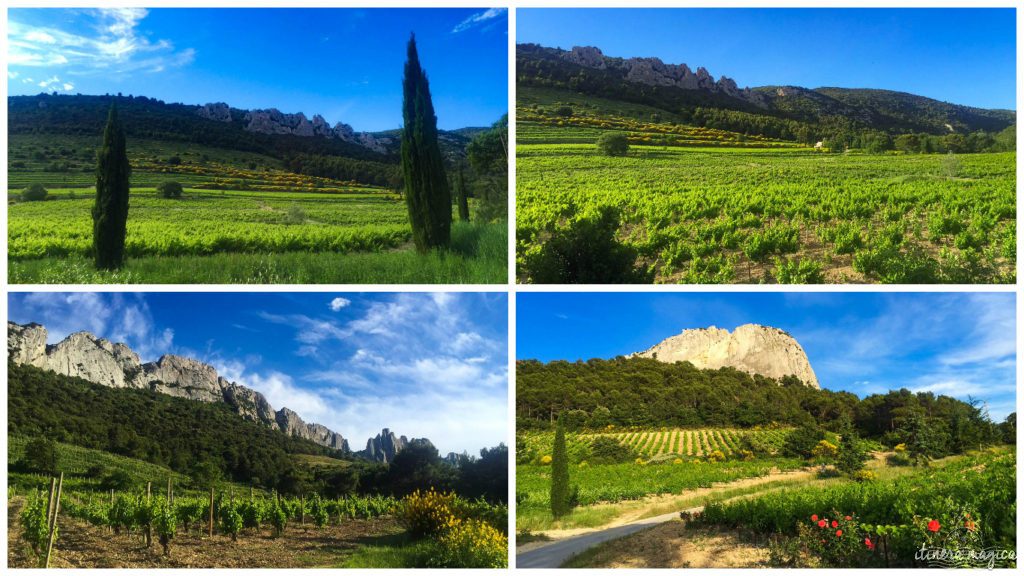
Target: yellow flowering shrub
<point x="716" y="456"/>
<point x="427" y="512"/>
<point x="677" y="461"/>
<point x="545" y="460"/>
<point x="471" y="544"/>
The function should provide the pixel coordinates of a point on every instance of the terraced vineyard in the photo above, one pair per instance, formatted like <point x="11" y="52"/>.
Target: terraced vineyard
<point x="699" y="205"/>
<point x="652" y="443"/>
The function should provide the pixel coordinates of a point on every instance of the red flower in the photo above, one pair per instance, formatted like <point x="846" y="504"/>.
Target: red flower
<point x="867" y="542"/>
<point x="839" y="532"/>
<point x="822" y="540"/>
<point x="968" y="516"/>
<point x="821" y="524"/>
<point x="933" y="526"/>
<point x="847" y="517"/>
<point x="814" y="518"/>
<point x="971" y="526"/>
<point x="835" y="524"/>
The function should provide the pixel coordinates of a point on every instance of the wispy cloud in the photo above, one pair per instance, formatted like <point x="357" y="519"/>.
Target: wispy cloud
<point x="102" y="41"/>
<point x="338" y="303"/>
<point x="485" y="17"/>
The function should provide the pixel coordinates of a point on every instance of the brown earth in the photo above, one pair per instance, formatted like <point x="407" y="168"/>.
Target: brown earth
<point x="82" y="545"/>
<point x="671" y="545"/>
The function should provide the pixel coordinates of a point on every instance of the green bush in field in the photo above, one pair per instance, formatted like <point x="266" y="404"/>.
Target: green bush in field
<point x="169" y="189"/>
<point x="41" y="456"/>
<point x="585" y="251"/>
<point x="34" y="193"/>
<point x="613" y="144"/>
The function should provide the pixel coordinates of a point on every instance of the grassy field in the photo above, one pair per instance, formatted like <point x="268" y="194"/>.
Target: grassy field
<point x="710" y="206"/>
<point x="246" y="236"/>
<point x="243" y="218"/>
<point x="669" y="462"/>
<point x="959" y="502"/>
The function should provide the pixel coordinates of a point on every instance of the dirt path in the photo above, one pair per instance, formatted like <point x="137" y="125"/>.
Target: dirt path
<point x="81" y="545"/>
<point x="547" y="554"/>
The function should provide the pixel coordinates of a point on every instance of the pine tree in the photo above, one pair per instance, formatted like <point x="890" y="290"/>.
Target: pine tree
<point x="110" y="213"/>
<point x="460" y="195"/>
<point x="559" y="474"/>
<point x="851" y="452"/>
<point x="426" y="186"/>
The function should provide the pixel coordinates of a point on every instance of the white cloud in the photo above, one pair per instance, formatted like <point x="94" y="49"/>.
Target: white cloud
<point x="339" y="303"/>
<point x="110" y="43"/>
<point x="479" y="18"/>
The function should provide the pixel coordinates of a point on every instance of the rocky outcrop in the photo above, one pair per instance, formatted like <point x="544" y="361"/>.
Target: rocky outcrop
<point x="85" y="356"/>
<point x="586" y="56"/>
<point x="751" y="348"/>
<point x="273" y="121"/>
<point x="216" y="111"/>
<point x="654" y="72"/>
<point x="183" y="378"/>
<point x="384" y="446"/>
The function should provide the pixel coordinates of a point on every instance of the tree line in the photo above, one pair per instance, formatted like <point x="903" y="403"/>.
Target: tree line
<point x="209" y="443"/>
<point x="647" y="393"/>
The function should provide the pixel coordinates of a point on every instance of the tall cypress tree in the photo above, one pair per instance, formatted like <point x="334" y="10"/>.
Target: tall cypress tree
<point x="559" y="474"/>
<point x="460" y="195"/>
<point x="426" y="186"/>
<point x="110" y="213"/>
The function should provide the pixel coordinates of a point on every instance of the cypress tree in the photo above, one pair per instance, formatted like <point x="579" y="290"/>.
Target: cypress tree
<point x="460" y="196"/>
<point x="559" y="474"/>
<point x="110" y="213"/>
<point x="426" y="186"/>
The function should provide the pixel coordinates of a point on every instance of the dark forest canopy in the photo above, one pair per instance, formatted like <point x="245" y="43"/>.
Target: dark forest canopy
<point x="189" y="436"/>
<point x="648" y="393"/>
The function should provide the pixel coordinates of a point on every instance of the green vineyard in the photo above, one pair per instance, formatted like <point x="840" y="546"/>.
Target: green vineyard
<point x="652" y="443"/>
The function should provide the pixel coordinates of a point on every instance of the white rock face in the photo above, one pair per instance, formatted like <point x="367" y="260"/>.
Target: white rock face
<point x="85" y="356"/>
<point x="751" y="348"/>
<point x="184" y="378"/>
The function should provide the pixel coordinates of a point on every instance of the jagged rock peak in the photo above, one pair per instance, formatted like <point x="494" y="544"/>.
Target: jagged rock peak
<point x="98" y="360"/>
<point x="273" y="121"/>
<point x="384" y="446"/>
<point x="216" y="111"/>
<point x="750" y="348"/>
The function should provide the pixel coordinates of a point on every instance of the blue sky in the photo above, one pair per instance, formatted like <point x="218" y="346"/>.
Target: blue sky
<point x="423" y="365"/>
<point x="342" y="63"/>
<point x="865" y="343"/>
<point x="963" y="56"/>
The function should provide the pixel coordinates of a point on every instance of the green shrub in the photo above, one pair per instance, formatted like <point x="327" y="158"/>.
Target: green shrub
<point x="613" y="144"/>
<point x="607" y="450"/>
<point x="34" y="193"/>
<point x="169" y="189"/>
<point x="585" y="251"/>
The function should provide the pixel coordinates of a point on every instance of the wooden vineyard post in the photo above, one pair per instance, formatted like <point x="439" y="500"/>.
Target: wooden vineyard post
<point x="53" y="527"/>
<point x="111" y="496"/>
<point x="250" y="492"/>
<point x="149" y="486"/>
<point x="211" y="512"/>
<point x="302" y="510"/>
<point x="168" y="501"/>
<point x="49" y="502"/>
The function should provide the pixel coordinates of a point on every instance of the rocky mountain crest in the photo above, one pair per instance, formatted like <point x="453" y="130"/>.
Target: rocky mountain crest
<point x="273" y="121"/>
<point x="83" y="355"/>
<point x="654" y="72"/>
<point x="750" y="348"/>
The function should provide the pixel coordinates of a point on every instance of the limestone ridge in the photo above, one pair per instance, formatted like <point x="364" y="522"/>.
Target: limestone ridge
<point x="384" y="446"/>
<point x="750" y="348"/>
<point x="98" y="360"/>
<point x="654" y="72"/>
<point x="273" y="121"/>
